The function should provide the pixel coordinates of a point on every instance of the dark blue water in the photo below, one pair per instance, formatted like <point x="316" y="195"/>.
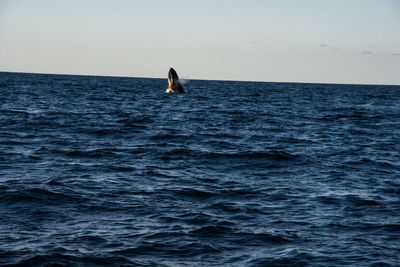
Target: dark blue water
<point x="112" y="171"/>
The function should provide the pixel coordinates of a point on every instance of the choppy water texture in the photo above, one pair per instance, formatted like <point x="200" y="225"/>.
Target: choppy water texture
<point x="113" y="171"/>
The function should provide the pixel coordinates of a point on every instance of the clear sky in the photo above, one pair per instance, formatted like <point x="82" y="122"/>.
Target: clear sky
<point x="340" y="41"/>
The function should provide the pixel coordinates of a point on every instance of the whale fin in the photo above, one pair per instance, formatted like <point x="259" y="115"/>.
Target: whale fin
<point x="174" y="85"/>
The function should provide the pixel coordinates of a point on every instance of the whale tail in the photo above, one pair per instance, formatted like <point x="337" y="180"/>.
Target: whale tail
<point x="174" y="86"/>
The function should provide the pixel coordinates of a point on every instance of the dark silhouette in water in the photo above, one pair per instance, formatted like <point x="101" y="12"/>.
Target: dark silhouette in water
<point x="174" y="86"/>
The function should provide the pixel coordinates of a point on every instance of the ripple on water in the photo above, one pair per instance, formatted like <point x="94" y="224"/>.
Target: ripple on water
<point x="228" y="174"/>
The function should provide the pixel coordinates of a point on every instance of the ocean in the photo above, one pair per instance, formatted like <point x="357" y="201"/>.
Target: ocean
<point x="112" y="171"/>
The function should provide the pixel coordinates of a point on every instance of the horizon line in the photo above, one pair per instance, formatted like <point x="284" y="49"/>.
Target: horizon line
<point x="196" y="79"/>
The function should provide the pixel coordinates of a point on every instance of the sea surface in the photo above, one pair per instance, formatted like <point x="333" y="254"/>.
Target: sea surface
<point x="111" y="171"/>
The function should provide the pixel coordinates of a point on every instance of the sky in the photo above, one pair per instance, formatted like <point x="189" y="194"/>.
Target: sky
<point x="341" y="41"/>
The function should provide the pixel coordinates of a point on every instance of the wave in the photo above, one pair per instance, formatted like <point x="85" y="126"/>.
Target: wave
<point x="41" y="196"/>
<point x="245" y="155"/>
<point x="57" y="259"/>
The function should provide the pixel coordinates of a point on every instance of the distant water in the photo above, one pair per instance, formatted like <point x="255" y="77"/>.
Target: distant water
<point x="112" y="171"/>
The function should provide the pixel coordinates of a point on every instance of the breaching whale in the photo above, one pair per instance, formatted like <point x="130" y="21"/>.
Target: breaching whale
<point x="174" y="86"/>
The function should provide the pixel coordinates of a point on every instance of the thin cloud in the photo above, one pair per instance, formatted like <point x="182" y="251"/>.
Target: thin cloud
<point x="367" y="52"/>
<point x="328" y="46"/>
<point x="394" y="54"/>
